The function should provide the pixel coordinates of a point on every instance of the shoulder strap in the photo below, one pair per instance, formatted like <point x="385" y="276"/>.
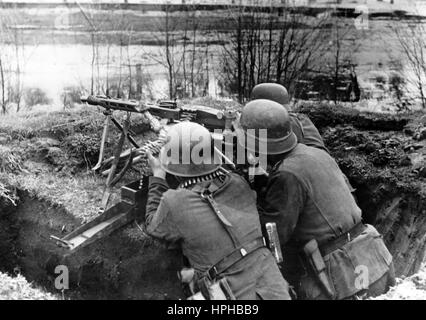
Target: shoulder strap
<point x="207" y="195"/>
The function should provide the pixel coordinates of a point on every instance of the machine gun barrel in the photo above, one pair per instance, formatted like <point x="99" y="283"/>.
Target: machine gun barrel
<point x="108" y="103"/>
<point x="210" y="117"/>
<point x="170" y="112"/>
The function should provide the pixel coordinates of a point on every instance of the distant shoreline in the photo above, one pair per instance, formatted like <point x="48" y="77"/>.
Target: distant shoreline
<point x="340" y="10"/>
<point x="63" y="25"/>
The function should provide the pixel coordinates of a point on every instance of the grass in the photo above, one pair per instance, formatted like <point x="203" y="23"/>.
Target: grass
<point x="76" y="189"/>
<point x="79" y="195"/>
<point x="6" y="194"/>
<point x="18" y="288"/>
<point x="213" y="103"/>
<point x="24" y="165"/>
<point x="9" y="163"/>
<point x="36" y="122"/>
<point x="79" y="190"/>
<point x="47" y="120"/>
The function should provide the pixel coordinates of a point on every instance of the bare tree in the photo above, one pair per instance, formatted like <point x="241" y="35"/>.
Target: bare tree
<point x="269" y="45"/>
<point x="2" y="77"/>
<point x="18" y="83"/>
<point x="194" y="46"/>
<point x="193" y="58"/>
<point x="118" y="75"/>
<point x="342" y="45"/>
<point x="207" y="71"/>
<point x="93" y="38"/>
<point x="12" y="63"/>
<point x="180" y="57"/>
<point x="169" y="51"/>
<point x="3" y="92"/>
<point x="108" y="62"/>
<point x="410" y="36"/>
<point x="129" y="65"/>
<point x="184" y="56"/>
<point x="239" y="40"/>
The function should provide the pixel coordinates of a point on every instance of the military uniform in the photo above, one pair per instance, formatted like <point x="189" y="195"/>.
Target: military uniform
<point x="306" y="195"/>
<point x="182" y="216"/>
<point x="305" y="131"/>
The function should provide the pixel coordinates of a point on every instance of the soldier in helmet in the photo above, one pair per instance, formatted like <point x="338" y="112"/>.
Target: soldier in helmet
<point x="328" y="252"/>
<point x="212" y="215"/>
<point x="302" y="126"/>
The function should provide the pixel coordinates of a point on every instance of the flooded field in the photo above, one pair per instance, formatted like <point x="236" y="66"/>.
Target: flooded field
<point x="53" y="52"/>
<point x="54" y="67"/>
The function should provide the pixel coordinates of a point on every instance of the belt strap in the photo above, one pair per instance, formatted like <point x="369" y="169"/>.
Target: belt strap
<point x="234" y="257"/>
<point x="341" y="240"/>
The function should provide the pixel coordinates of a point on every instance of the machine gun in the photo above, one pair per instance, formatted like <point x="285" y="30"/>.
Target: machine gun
<point x="133" y="195"/>
<point x="168" y="111"/>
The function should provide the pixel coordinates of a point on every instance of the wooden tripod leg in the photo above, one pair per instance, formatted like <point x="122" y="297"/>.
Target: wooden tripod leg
<point x="102" y="150"/>
<point x="105" y="200"/>
<point x="110" y="180"/>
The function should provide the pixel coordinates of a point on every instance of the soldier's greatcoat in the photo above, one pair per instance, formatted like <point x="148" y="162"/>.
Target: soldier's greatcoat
<point x="305" y="131"/>
<point x="183" y="217"/>
<point x="308" y="198"/>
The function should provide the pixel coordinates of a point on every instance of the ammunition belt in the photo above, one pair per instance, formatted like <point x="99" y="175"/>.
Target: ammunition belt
<point x="154" y="146"/>
<point x="234" y="257"/>
<point x="220" y="173"/>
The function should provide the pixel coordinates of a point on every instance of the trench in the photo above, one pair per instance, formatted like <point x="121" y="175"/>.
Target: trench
<point x="120" y="267"/>
<point x="400" y="216"/>
<point x="116" y="267"/>
<point x="123" y="267"/>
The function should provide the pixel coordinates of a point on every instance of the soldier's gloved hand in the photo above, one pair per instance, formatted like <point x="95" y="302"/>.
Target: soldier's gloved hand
<point x="155" y="165"/>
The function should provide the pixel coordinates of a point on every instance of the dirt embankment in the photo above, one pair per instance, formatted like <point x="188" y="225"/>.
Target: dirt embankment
<point x="45" y="169"/>
<point x="384" y="158"/>
<point x="121" y="266"/>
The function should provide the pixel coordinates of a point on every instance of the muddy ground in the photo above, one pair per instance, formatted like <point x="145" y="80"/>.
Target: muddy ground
<point x="383" y="156"/>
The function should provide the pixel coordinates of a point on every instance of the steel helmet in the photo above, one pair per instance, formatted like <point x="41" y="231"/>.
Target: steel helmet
<point x="189" y="151"/>
<point x="265" y="114"/>
<point x="271" y="91"/>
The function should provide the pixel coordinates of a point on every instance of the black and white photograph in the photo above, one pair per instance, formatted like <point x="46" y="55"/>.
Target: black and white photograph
<point x="182" y="150"/>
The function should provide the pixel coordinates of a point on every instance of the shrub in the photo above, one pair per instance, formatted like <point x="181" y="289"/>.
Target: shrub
<point x="397" y="85"/>
<point x="35" y="96"/>
<point x="71" y="95"/>
<point x="83" y="147"/>
<point x="9" y="161"/>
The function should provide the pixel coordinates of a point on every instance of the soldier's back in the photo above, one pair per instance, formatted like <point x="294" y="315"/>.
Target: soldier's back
<point x="205" y="240"/>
